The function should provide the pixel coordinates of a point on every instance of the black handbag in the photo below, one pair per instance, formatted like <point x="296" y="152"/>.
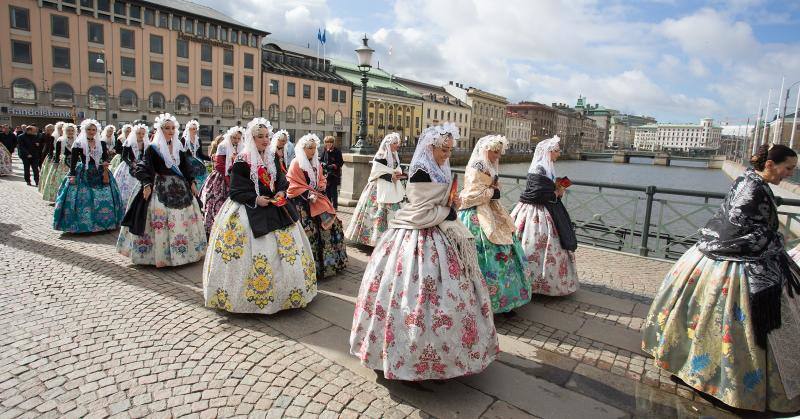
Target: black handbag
<point x="563" y="224"/>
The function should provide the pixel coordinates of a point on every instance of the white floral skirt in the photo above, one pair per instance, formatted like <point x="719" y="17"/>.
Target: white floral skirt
<point x="172" y="237"/>
<point x="126" y="182"/>
<point x="552" y="268"/>
<point x="418" y="316"/>
<point x="244" y="274"/>
<point x="5" y="161"/>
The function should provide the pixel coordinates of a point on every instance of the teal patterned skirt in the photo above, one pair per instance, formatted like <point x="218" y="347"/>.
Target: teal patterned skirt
<point x="199" y="172"/>
<point x="503" y="266"/>
<point x="89" y="205"/>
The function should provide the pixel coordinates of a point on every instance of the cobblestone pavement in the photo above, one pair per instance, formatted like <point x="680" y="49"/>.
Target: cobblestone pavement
<point x="85" y="334"/>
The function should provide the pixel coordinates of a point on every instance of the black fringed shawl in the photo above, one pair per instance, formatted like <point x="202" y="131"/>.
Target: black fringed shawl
<point x="745" y="229"/>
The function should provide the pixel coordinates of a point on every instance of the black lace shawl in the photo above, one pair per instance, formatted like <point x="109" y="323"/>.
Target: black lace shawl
<point x="745" y="230"/>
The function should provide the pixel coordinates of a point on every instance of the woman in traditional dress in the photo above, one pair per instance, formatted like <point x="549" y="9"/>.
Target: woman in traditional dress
<point x="423" y="310"/>
<point x="322" y="226"/>
<point x="215" y="189"/>
<point x="109" y="138"/>
<point x="282" y="149"/>
<point x="88" y="199"/>
<point x="500" y="255"/>
<point x="163" y="225"/>
<point x="543" y="226"/>
<point x="259" y="259"/>
<point x="726" y="320"/>
<point x="61" y="162"/>
<point x="5" y="161"/>
<point x="48" y="147"/>
<point x="132" y="151"/>
<point x="119" y="143"/>
<point x="194" y="151"/>
<point x="381" y="197"/>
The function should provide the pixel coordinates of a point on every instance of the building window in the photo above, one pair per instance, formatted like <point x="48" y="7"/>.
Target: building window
<point x="97" y="97"/>
<point x="321" y="116"/>
<point x="273" y="112"/>
<point x="119" y="8"/>
<point x="320" y="93"/>
<point x="289" y="87"/>
<point x="227" y="57"/>
<point x="156" y="70"/>
<point x="306" y="91"/>
<point x="206" y="105"/>
<point x="156" y="101"/>
<point x="128" y="99"/>
<point x="291" y="114"/>
<point x="273" y="87"/>
<point x="223" y="34"/>
<point x="248" y="110"/>
<point x="234" y="36"/>
<point x="95" y="32"/>
<point x="103" y="5"/>
<point x="183" y="74"/>
<point x="61" y="57"/>
<point x="228" y="108"/>
<point x="206" y="77"/>
<point x="370" y="118"/>
<point x="248" y="61"/>
<point x="127" y="39"/>
<point x="212" y="31"/>
<point x="62" y="92"/>
<point x="163" y="20"/>
<point x="337" y="118"/>
<point x="200" y="29"/>
<point x="334" y="95"/>
<point x="183" y="48"/>
<point x="87" y="4"/>
<point x="94" y="66"/>
<point x="188" y="26"/>
<point x="253" y="41"/>
<point x="176" y="23"/>
<point x="127" y="66"/>
<point x="59" y="26"/>
<point x="306" y="117"/>
<point x="342" y="97"/>
<point x="182" y="104"/>
<point x="20" y="18"/>
<point x="244" y="38"/>
<point x="205" y="53"/>
<point x="156" y="44"/>
<point x="23" y="89"/>
<point x="227" y="80"/>
<point x="149" y="17"/>
<point x="248" y="83"/>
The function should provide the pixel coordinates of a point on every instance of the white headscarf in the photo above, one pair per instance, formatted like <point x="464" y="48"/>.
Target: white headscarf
<point x="226" y="146"/>
<point x="82" y="142"/>
<point x="105" y="139"/>
<point x="255" y="159"/>
<point x="542" y="164"/>
<point x="131" y="142"/>
<point x="423" y="156"/>
<point x="66" y="143"/>
<point x="480" y="154"/>
<point x="273" y="145"/>
<point x="122" y="135"/>
<point x="189" y="144"/>
<point x="311" y="167"/>
<point x="173" y="159"/>
<point x="385" y="150"/>
<point x="59" y="130"/>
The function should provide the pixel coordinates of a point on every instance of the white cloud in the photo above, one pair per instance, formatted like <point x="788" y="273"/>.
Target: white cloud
<point x="697" y="68"/>
<point x="711" y="34"/>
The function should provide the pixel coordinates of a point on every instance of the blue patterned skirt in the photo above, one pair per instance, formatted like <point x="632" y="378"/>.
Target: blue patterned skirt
<point x="89" y="205"/>
<point x="199" y="172"/>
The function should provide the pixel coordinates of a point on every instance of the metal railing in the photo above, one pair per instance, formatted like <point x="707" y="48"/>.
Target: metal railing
<point x="645" y="220"/>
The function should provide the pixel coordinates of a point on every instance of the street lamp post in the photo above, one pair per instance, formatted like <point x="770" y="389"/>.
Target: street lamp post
<point x="101" y="60"/>
<point x="364" y="53"/>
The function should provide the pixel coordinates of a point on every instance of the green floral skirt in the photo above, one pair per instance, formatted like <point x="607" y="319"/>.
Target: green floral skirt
<point x="699" y="329"/>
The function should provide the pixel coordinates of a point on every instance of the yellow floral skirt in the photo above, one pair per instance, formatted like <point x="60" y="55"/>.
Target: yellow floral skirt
<point x="244" y="274"/>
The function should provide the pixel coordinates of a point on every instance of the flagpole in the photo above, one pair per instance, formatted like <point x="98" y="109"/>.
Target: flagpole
<point x="757" y="127"/>
<point x="778" y="117"/>
<point x="766" y="118"/>
<point x="794" y="123"/>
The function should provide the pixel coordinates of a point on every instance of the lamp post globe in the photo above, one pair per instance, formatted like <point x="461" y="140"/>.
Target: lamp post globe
<point x="364" y="55"/>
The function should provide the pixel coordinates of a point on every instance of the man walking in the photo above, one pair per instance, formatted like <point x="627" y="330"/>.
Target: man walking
<point x="332" y="162"/>
<point x="8" y="138"/>
<point x="29" y="149"/>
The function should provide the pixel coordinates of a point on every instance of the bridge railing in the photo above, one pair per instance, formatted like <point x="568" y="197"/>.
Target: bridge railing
<point x="645" y="220"/>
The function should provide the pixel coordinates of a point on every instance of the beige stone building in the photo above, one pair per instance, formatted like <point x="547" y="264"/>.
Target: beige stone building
<point x="439" y="106"/>
<point x="542" y="117"/>
<point x="518" y="132"/>
<point x="488" y="110"/>
<point x="304" y="94"/>
<point x="162" y="56"/>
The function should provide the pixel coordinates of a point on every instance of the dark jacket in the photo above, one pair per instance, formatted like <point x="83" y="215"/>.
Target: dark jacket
<point x="9" y="140"/>
<point x="263" y="220"/>
<point x="77" y="155"/>
<point x="541" y="190"/>
<point x="47" y="143"/>
<point x="60" y="149"/>
<point x="29" y="145"/>
<point x="332" y="162"/>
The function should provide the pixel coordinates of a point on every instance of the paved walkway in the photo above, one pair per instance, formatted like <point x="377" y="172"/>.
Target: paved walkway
<point x="85" y="334"/>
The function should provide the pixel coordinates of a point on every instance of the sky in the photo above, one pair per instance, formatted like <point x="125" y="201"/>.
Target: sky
<point x="678" y="61"/>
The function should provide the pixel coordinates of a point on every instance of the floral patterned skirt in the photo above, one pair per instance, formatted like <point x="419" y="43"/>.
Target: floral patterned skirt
<point x="330" y="252"/>
<point x="5" y="161"/>
<point x="172" y="237"/>
<point x="370" y="219"/>
<point x="244" y="274"/>
<point x="213" y="196"/>
<point x="44" y="171"/>
<point x="115" y="162"/>
<point x="503" y="267"/>
<point x="89" y="205"/>
<point x="551" y="268"/>
<point x="418" y="316"/>
<point x="51" y="182"/>
<point x="699" y="329"/>
<point x="127" y="183"/>
<point x="198" y="171"/>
